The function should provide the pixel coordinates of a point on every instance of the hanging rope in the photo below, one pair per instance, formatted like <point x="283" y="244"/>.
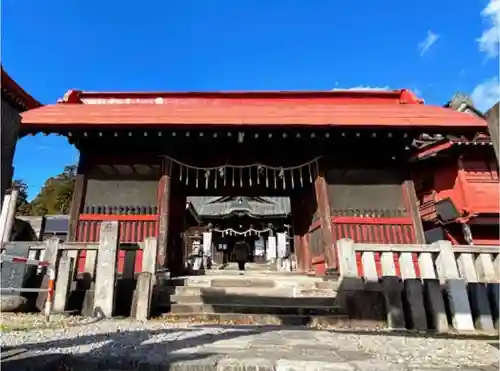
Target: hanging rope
<point x="231" y="231"/>
<point x="256" y="165"/>
<point x="273" y="175"/>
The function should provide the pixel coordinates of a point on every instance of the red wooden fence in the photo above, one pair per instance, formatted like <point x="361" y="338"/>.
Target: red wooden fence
<point x="397" y="230"/>
<point x="132" y="230"/>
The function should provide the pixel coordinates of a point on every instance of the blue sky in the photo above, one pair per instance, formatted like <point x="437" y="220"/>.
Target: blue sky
<point x="433" y="47"/>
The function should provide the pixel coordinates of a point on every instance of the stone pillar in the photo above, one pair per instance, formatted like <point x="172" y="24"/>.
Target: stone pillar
<point x="455" y="288"/>
<point x="413" y="292"/>
<point x="104" y="297"/>
<point x="326" y="221"/>
<point x="478" y="296"/>
<point x="432" y="293"/>
<point x="392" y="293"/>
<point x="63" y="283"/>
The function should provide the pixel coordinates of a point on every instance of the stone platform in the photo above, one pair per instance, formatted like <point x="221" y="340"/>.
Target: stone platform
<point x="256" y="292"/>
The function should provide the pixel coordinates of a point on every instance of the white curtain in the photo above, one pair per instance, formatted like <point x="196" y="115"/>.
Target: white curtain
<point x="282" y="245"/>
<point x="207" y="243"/>
<point x="271" y="248"/>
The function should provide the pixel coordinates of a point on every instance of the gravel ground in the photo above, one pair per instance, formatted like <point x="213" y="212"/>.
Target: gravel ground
<point x="125" y="341"/>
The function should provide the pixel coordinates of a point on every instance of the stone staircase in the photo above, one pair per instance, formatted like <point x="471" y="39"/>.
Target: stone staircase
<point x="258" y="296"/>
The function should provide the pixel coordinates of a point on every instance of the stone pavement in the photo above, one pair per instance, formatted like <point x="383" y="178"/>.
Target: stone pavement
<point x="126" y="345"/>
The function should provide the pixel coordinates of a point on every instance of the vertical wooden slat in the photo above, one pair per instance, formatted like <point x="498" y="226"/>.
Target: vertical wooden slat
<point x="411" y="201"/>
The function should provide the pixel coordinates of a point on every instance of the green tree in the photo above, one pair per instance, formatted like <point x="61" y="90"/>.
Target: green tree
<point x="56" y="194"/>
<point x="23" y="207"/>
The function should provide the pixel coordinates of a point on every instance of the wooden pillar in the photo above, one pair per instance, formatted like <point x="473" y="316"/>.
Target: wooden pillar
<point x="164" y="191"/>
<point x="301" y="222"/>
<point x="412" y="206"/>
<point x="326" y="221"/>
<point x="78" y="198"/>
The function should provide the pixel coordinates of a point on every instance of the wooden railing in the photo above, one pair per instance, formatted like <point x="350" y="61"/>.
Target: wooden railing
<point x="468" y="275"/>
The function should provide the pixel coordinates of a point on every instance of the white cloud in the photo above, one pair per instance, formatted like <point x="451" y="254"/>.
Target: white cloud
<point x="426" y="44"/>
<point x="488" y="42"/>
<point x="486" y="94"/>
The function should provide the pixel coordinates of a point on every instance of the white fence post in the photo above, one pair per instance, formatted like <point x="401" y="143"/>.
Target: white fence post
<point x="432" y="292"/>
<point x="455" y="288"/>
<point x="478" y="296"/>
<point x="413" y="292"/>
<point x="392" y="292"/>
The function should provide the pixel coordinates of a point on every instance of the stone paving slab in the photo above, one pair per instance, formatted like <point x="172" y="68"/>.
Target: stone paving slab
<point x="127" y="345"/>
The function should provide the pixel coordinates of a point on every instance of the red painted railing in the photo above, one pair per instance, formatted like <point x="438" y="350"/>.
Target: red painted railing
<point x="386" y="230"/>
<point x="132" y="230"/>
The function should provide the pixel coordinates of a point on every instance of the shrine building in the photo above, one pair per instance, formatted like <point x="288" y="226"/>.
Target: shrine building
<point x="313" y="167"/>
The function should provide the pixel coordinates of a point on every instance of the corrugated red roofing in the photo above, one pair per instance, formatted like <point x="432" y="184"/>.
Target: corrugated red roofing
<point x="356" y="108"/>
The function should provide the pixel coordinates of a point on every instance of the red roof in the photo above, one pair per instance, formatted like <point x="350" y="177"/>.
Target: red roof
<point x="18" y="94"/>
<point x="331" y="108"/>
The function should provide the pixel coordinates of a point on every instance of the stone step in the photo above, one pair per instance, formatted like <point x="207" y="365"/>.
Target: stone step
<point x="255" y="309"/>
<point x="282" y="281"/>
<point x="255" y="273"/>
<point x="338" y="320"/>
<point x="307" y="302"/>
<point x="250" y="291"/>
<point x="249" y="267"/>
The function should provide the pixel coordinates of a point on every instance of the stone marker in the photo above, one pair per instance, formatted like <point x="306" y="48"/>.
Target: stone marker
<point x="392" y="292"/>
<point x="413" y="292"/>
<point x="455" y="288"/>
<point x="88" y="302"/>
<point x="63" y="281"/>
<point x="90" y="261"/>
<point x="432" y="293"/>
<point x="143" y="296"/>
<point x="13" y="274"/>
<point x="106" y="269"/>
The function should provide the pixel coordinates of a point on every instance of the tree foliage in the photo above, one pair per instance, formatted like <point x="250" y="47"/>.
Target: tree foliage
<point x="22" y="204"/>
<point x="54" y="197"/>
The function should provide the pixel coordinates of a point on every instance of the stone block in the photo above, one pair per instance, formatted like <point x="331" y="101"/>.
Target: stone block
<point x="13" y="274"/>
<point x="143" y="296"/>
